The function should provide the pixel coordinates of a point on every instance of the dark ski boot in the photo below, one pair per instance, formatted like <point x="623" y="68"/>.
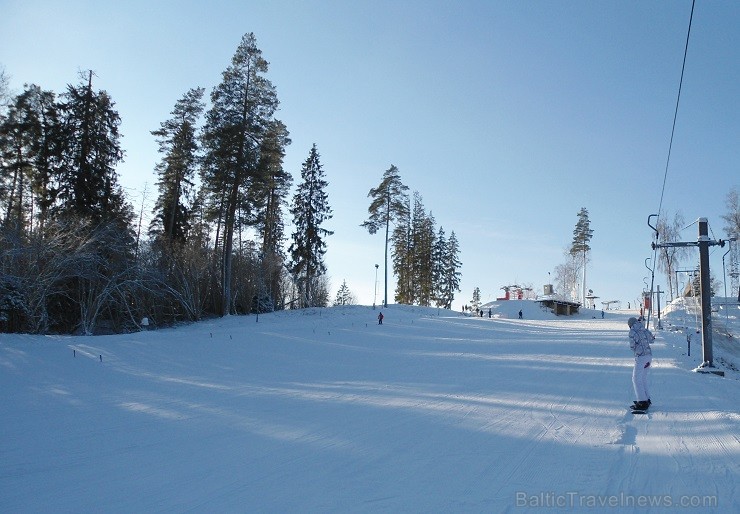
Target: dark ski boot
<point x="641" y="405"/>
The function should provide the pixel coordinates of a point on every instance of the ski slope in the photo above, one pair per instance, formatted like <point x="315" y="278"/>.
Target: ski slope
<point x="323" y="410"/>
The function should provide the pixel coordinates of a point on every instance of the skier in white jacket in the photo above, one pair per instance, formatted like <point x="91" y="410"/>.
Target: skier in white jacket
<point x="640" y="339"/>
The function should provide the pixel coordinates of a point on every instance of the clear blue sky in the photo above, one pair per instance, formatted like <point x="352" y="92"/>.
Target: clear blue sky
<point x="506" y="116"/>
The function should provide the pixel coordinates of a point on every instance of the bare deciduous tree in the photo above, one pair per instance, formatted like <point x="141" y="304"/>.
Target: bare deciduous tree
<point x="670" y="257"/>
<point x="566" y="275"/>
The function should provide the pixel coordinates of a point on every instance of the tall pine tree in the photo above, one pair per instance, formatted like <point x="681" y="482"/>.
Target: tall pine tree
<point x="389" y="205"/>
<point x="19" y="132"/>
<point x="271" y="194"/>
<point x="243" y="105"/>
<point x="273" y="187"/>
<point x="178" y="144"/>
<point x="582" y="235"/>
<point x="29" y="158"/>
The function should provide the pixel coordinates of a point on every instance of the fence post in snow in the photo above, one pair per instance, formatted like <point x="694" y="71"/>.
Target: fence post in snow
<point x="688" y="344"/>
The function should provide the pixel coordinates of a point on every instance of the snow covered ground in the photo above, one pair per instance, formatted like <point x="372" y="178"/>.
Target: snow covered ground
<point x="323" y="410"/>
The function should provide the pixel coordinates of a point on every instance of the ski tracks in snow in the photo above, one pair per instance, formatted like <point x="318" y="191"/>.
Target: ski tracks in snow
<point x="689" y="433"/>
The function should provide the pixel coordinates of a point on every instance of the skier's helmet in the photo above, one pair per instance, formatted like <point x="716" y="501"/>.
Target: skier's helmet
<point x="631" y="322"/>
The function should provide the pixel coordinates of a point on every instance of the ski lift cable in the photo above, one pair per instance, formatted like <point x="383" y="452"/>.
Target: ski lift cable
<point x="709" y="226"/>
<point x="675" y="112"/>
<point x="668" y="159"/>
<point x="690" y="225"/>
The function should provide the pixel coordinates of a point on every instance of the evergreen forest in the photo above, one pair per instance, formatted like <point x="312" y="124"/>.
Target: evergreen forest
<point x="75" y="258"/>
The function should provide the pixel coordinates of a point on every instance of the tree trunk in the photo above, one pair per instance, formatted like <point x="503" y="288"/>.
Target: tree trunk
<point x="387" y="227"/>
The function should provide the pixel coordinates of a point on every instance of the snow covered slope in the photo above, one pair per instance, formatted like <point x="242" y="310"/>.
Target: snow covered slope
<point x="323" y="410"/>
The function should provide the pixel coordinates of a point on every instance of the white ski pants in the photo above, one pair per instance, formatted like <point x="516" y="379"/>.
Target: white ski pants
<point x="640" y="377"/>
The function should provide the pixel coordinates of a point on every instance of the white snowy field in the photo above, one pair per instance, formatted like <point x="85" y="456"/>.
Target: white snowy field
<point x="323" y="410"/>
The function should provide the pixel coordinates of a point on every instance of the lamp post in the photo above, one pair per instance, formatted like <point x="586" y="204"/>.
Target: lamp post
<point x="375" y="295"/>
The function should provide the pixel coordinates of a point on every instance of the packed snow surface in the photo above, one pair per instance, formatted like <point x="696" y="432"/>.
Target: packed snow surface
<point x="324" y="410"/>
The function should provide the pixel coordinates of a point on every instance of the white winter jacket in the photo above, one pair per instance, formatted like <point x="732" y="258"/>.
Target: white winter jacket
<point x="640" y="339"/>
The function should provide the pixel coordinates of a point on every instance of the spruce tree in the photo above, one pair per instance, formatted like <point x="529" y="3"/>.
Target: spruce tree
<point x="451" y="278"/>
<point x="344" y="295"/>
<point x="310" y="209"/>
<point x="91" y="150"/>
<point x="389" y="205"/>
<point x="88" y="183"/>
<point x="447" y="264"/>
<point x="422" y="244"/>
<point x="439" y="254"/>
<point x="91" y="212"/>
<point x="402" y="256"/>
<point x="475" y="302"/>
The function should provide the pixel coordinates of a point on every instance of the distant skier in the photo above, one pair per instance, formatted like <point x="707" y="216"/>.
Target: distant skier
<point x="380" y="318"/>
<point x="520" y="314"/>
<point x="489" y="313"/>
<point x="640" y="339"/>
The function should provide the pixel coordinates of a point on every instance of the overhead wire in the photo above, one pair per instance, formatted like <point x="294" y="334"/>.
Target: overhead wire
<point x="668" y="159"/>
<point x="689" y="225"/>
<point x="675" y="112"/>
